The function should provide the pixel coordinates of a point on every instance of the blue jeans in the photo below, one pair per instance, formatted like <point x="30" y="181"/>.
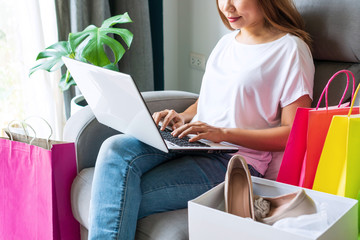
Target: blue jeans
<point x="133" y="180"/>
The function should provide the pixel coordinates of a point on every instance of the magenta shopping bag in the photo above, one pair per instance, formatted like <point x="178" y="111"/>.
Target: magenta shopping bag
<point x="35" y="188"/>
<point x="295" y="151"/>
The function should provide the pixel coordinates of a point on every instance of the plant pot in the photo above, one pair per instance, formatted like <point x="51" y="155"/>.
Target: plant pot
<point x="77" y="103"/>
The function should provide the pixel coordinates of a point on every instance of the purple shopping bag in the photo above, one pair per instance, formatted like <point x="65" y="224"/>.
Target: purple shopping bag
<point x="35" y="188"/>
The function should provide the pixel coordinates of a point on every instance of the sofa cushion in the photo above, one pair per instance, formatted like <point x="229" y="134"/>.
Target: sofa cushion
<point x="81" y="194"/>
<point x="164" y="226"/>
<point x="167" y="225"/>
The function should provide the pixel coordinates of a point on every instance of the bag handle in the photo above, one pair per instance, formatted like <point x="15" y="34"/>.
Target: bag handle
<point x="352" y="103"/>
<point x="326" y="88"/>
<point x="47" y="123"/>
<point x="24" y="125"/>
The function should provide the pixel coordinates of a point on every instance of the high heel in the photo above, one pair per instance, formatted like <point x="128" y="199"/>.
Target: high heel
<point x="240" y="201"/>
<point x="238" y="189"/>
<point x="289" y="205"/>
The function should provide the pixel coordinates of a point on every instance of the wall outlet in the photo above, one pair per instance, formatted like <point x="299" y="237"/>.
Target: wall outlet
<point x="197" y="61"/>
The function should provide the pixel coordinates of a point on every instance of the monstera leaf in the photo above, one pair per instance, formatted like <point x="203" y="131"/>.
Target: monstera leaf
<point x="90" y="42"/>
<point x="66" y="81"/>
<point x="50" y="60"/>
<point x="52" y="57"/>
<point x="87" y="46"/>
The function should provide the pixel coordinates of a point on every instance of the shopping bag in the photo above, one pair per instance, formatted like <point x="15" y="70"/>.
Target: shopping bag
<point x="307" y="137"/>
<point x="35" y="185"/>
<point x="358" y="198"/>
<point x="338" y="171"/>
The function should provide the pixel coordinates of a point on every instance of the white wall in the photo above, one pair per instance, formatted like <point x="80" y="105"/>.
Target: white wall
<point x="189" y="26"/>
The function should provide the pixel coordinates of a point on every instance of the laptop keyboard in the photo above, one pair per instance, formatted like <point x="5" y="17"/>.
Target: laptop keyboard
<point x="183" y="142"/>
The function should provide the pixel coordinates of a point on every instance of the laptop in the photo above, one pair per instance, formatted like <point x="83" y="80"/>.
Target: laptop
<point x="116" y="102"/>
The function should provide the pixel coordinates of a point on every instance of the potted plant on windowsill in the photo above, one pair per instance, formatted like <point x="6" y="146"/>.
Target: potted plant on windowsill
<point x="87" y="46"/>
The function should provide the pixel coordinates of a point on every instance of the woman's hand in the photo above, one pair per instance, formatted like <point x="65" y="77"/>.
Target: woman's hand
<point x="169" y="118"/>
<point x="201" y="131"/>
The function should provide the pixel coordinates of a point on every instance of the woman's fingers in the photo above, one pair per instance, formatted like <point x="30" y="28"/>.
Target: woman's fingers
<point x="201" y="131"/>
<point x="168" y="117"/>
<point x="158" y="116"/>
<point x="171" y="115"/>
<point x="198" y="137"/>
<point x="189" y="128"/>
<point x="177" y="124"/>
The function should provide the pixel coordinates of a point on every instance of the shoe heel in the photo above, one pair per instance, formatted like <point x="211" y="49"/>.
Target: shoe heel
<point x="238" y="189"/>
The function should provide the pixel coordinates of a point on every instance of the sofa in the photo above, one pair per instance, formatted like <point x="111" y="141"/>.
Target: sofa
<point x="335" y="28"/>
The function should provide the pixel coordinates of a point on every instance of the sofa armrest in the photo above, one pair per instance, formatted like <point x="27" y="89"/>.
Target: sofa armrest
<point x="88" y="134"/>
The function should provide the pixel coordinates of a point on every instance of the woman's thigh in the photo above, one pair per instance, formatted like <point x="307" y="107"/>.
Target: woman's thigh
<point x="172" y="184"/>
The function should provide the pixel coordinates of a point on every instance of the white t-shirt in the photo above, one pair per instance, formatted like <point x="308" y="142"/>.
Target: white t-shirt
<point x="245" y="86"/>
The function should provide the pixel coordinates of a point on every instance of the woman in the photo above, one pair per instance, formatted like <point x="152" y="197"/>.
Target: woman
<point x="255" y="79"/>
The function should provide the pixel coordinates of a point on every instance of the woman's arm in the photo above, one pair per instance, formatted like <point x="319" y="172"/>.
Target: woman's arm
<point x="271" y="139"/>
<point x="190" y="112"/>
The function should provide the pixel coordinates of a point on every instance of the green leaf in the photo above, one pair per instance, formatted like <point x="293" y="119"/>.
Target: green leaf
<point x="112" y="66"/>
<point x="90" y="43"/>
<point x="65" y="83"/>
<point x="50" y="59"/>
<point x="75" y="39"/>
<point x="124" y="18"/>
<point x="125" y="34"/>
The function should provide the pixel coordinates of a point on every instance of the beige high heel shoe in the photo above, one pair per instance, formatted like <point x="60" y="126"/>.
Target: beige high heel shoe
<point x="238" y="189"/>
<point x="240" y="200"/>
<point x="289" y="205"/>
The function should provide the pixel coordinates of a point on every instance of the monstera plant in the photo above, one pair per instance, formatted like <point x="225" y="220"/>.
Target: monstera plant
<point x="87" y="46"/>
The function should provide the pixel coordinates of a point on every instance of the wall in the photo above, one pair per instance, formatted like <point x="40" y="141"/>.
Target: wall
<point x="189" y="26"/>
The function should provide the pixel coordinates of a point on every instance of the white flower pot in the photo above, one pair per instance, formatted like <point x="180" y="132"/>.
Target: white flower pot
<point x="77" y="103"/>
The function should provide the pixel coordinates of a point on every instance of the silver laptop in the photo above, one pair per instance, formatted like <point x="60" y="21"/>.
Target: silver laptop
<point x="116" y="102"/>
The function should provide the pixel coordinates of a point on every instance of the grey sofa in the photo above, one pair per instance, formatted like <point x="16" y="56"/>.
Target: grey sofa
<point x="335" y="28"/>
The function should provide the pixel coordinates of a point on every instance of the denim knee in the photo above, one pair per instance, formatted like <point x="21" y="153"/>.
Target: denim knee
<point x="114" y="149"/>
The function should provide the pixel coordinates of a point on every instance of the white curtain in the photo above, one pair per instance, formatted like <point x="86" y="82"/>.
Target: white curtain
<point x="37" y="29"/>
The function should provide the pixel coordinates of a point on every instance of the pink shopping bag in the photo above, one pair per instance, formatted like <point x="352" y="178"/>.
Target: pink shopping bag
<point x="35" y="188"/>
<point x="307" y="137"/>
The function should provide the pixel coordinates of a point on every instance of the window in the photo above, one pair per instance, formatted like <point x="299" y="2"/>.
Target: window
<point x="11" y="106"/>
<point x="26" y="28"/>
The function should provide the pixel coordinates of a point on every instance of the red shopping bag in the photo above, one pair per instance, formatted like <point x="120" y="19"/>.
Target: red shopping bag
<point x="35" y="188"/>
<point x="307" y="137"/>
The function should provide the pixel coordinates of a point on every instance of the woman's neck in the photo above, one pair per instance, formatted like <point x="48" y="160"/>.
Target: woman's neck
<point x="258" y="35"/>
